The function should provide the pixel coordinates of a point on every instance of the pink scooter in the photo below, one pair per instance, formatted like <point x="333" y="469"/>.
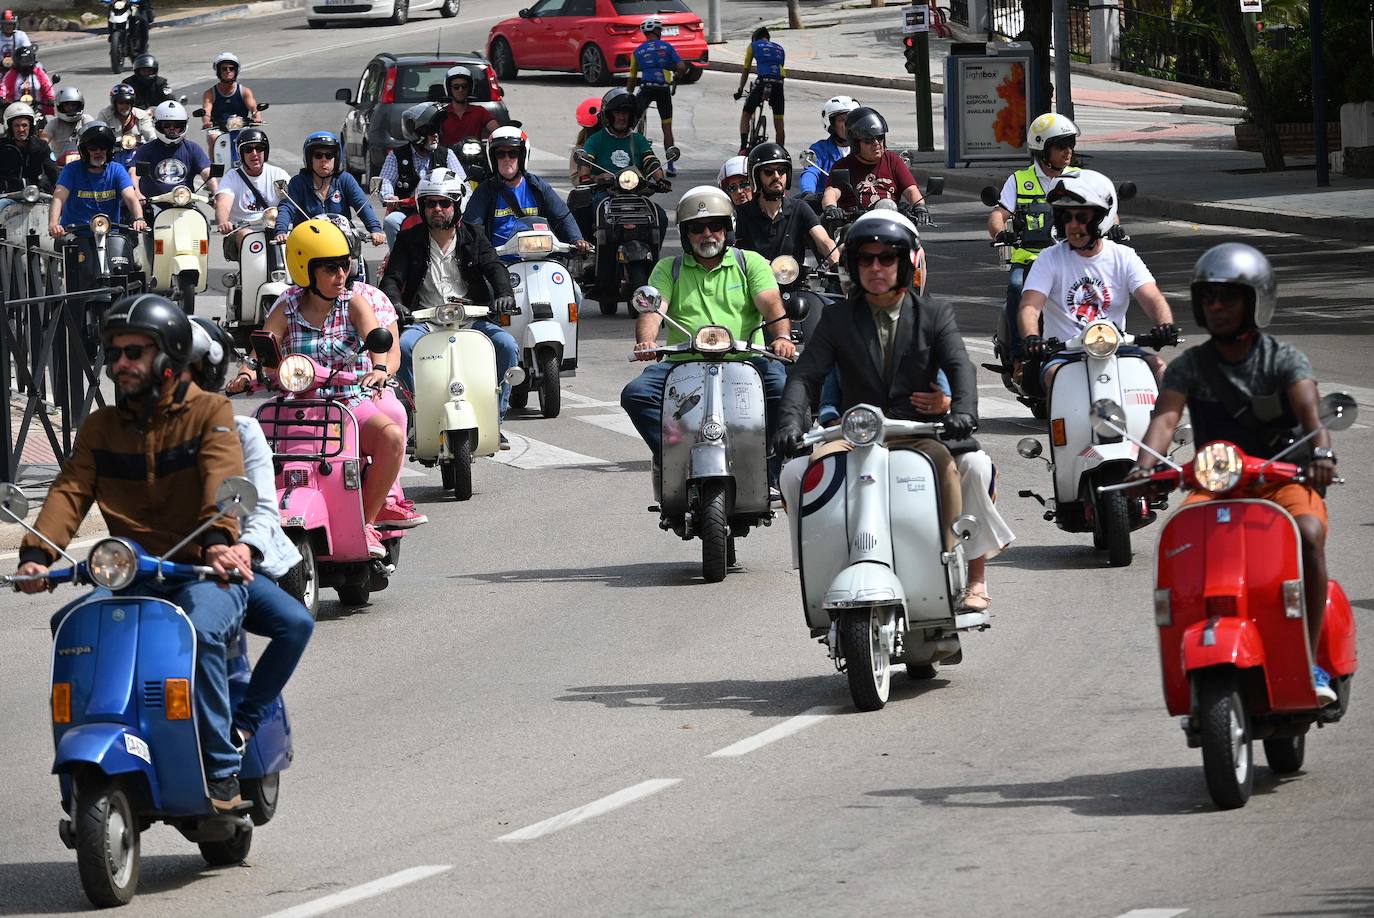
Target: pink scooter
<point x="320" y="473"/>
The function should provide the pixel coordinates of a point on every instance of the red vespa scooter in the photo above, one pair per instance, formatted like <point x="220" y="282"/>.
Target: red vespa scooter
<point x="1230" y="607"/>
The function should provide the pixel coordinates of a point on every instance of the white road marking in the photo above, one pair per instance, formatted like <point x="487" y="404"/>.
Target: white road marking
<point x="975" y="344"/>
<point x="407" y="472"/>
<point x="785" y="729"/>
<point x="616" y="423"/>
<point x="359" y="893"/>
<point x="1153" y="913"/>
<point x="323" y="49"/>
<point x="993" y="408"/>
<point x="588" y="811"/>
<point x="573" y="400"/>
<point x="528" y="453"/>
<point x="71" y="547"/>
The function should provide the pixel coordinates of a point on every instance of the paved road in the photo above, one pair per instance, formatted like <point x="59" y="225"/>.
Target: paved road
<point x="547" y="649"/>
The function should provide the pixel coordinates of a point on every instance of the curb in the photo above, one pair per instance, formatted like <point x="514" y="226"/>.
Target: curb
<point x="833" y="76"/>
<point x="240" y="11"/>
<point x="1105" y="72"/>
<point x="1351" y="229"/>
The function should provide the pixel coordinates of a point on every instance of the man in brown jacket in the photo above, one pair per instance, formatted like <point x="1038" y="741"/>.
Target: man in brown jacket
<point x="152" y="462"/>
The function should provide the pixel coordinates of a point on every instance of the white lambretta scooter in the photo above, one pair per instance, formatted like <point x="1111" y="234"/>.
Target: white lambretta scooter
<point x="1081" y="460"/>
<point x="456" y="393"/>
<point x="546" y="326"/>
<point x="181" y="244"/>
<point x="880" y="579"/>
<point x="250" y="291"/>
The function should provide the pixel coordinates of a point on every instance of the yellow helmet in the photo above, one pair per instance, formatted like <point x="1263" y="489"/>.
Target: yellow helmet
<point x="311" y="241"/>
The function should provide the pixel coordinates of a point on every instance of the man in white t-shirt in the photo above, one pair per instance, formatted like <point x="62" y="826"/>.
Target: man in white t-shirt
<point x="1087" y="277"/>
<point x="247" y="191"/>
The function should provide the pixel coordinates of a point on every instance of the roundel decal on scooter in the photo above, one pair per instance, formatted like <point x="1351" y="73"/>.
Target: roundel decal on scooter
<point x="170" y="171"/>
<point x="514" y="279"/>
<point x="255" y="247"/>
<point x="557" y="278"/>
<point x="823" y="480"/>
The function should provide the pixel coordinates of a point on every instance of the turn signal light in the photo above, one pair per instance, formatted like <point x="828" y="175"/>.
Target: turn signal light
<point x="205" y="246"/>
<point x="176" y="697"/>
<point x="157" y="246"/>
<point x="572" y="313"/>
<point x="1057" y="432"/>
<point x="61" y="702"/>
<point x="503" y="320"/>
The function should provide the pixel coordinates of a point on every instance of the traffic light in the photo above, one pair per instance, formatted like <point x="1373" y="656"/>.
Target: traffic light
<point x="913" y="53"/>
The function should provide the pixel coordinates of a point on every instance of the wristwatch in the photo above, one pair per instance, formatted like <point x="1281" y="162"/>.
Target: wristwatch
<point x="1324" y="452"/>
<point x="379" y="366"/>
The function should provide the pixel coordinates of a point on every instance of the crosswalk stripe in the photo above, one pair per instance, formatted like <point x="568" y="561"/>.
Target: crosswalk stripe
<point x="619" y="422"/>
<point x="528" y="453"/>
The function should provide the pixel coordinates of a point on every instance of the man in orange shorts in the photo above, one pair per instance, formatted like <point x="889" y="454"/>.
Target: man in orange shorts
<point x="1257" y="392"/>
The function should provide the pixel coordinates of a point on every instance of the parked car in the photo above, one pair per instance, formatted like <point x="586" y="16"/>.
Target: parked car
<point x="390" y="84"/>
<point x="319" y="13"/>
<point x="593" y="37"/>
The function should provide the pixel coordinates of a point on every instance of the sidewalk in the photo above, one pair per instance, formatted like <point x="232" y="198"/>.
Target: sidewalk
<point x="174" y="16"/>
<point x="1177" y="148"/>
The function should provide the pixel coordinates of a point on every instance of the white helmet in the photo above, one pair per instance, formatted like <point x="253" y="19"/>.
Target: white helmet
<point x="1049" y="126"/>
<point x="836" y="105"/>
<point x="1085" y="188"/>
<point x="735" y="165"/>
<point x="227" y="57"/>
<point x="18" y="110"/>
<point x="441" y="183"/>
<point x="704" y="202"/>
<point x="652" y="24"/>
<point x="65" y="96"/>
<point x="170" y="110"/>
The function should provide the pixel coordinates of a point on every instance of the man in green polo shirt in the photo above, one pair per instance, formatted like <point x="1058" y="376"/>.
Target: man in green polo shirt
<point x="715" y="284"/>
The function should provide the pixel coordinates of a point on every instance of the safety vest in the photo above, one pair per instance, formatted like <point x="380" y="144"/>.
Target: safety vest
<point x="1029" y="191"/>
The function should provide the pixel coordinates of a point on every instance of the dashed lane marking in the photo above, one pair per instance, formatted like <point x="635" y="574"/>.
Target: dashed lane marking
<point x="808" y="718"/>
<point x="365" y="891"/>
<point x="573" y="400"/>
<point x="1153" y="913"/>
<point x="528" y="453"/>
<point x="590" y="810"/>
<point x="616" y="423"/>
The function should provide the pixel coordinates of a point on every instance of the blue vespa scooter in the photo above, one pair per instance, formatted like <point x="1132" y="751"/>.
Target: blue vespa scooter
<point x="123" y="713"/>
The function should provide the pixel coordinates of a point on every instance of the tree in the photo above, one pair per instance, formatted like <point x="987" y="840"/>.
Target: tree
<point x="1036" y="18"/>
<point x="794" y="14"/>
<point x="1252" y="87"/>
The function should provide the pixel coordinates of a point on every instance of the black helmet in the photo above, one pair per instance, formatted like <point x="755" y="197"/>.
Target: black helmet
<point x="769" y="154"/>
<point x="27" y="56"/>
<point x="865" y="123"/>
<point x="761" y="32"/>
<point x="253" y="135"/>
<point x="96" y="135"/>
<point x="888" y="228"/>
<point x="144" y="61"/>
<point x="122" y="92"/>
<point x="617" y="99"/>
<point x="212" y="350"/>
<point x="158" y="318"/>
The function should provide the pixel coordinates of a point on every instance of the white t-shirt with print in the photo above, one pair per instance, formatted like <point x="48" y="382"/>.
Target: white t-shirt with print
<point x="245" y="208"/>
<point x="1080" y="290"/>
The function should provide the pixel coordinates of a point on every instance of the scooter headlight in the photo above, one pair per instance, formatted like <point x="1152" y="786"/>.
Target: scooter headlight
<point x="100" y="225"/>
<point x="30" y="193"/>
<point x="449" y="314"/>
<point x="128" y="141"/>
<point x="628" y="180"/>
<point x="112" y="563"/>
<point x="1218" y="466"/>
<point x="534" y="244"/>
<point x="861" y="426"/>
<point x="713" y="339"/>
<point x="785" y="270"/>
<point x="1101" y="339"/>
<point x="471" y="148"/>
<point x="181" y="196"/>
<point x="296" y="373"/>
<point x="234" y="123"/>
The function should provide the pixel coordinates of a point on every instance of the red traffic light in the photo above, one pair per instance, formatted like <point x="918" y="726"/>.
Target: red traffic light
<point x="909" y="41"/>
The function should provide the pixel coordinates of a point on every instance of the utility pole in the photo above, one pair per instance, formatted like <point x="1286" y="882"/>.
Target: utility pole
<point x="1318" y="96"/>
<point x="918" y="63"/>
<point x="713" y="23"/>
<point x="1063" y="93"/>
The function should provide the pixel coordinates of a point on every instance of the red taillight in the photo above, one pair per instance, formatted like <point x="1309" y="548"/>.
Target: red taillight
<point x="813" y="477"/>
<point x="297" y="478"/>
<point x="1221" y="605"/>
<point x="695" y="26"/>
<point x="497" y="93"/>
<point x="617" y="28"/>
<point x="388" y="95"/>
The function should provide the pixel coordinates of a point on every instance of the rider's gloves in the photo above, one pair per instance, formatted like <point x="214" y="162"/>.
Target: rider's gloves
<point x="1006" y="237"/>
<point x="959" y="426"/>
<point x="1164" y="334"/>
<point x="787" y="442"/>
<point x="832" y="214"/>
<point x="919" y="214"/>
<point x="738" y="96"/>
<point x="1118" y="234"/>
<point x="1034" y="346"/>
<point x="505" y="306"/>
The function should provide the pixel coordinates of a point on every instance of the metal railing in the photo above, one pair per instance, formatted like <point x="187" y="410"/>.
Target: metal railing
<point x="958" y="11"/>
<point x="1171" y="49"/>
<point x="1007" y="17"/>
<point x="1080" y="31"/>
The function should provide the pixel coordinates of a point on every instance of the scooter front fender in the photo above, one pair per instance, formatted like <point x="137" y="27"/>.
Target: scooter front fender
<point x="1099" y="455"/>
<point x="709" y="460"/>
<point x="113" y="749"/>
<point x="866" y="583"/>
<point x="459" y="416"/>
<point x="306" y="508"/>
<point x="1224" y="641"/>
<point x="194" y="263"/>
<point x="543" y="332"/>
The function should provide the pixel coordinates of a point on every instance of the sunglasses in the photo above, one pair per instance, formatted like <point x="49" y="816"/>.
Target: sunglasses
<point x="886" y="259"/>
<point x="436" y="204"/>
<point x="874" y="143"/>
<point x="322" y="154"/>
<point x="130" y="351"/>
<point x="708" y="226"/>
<point x="772" y="171"/>
<point x="1065" y="144"/>
<point x="507" y="154"/>
<point x="736" y="188"/>
<point x="171" y="128"/>
<point x="1079" y="215"/>
<point x="252" y="148"/>
<point x="337" y="266"/>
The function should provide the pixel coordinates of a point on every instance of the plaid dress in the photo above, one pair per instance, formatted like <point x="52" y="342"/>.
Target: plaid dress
<point x="336" y="344"/>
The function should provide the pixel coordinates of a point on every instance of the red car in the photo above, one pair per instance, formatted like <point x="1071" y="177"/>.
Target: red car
<point x="593" y="37"/>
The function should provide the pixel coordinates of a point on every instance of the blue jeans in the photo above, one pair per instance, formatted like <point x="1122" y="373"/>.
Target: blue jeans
<point x="391" y="225"/>
<point x="507" y="355"/>
<point x="276" y="615"/>
<point x="1016" y="279"/>
<point x="642" y="399"/>
<point x="216" y="613"/>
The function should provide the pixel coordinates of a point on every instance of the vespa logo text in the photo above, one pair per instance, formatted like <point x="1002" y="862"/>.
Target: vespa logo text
<point x="73" y="651"/>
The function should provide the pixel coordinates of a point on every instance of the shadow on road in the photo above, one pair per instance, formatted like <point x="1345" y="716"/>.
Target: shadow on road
<point x="1056" y="557"/>
<point x="1353" y="901"/>
<point x="53" y="887"/>
<point x="778" y="698"/>
<point x="1146" y="792"/>
<point x="655" y="573"/>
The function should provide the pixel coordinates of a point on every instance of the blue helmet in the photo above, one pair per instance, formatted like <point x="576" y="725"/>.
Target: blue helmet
<point x="322" y="140"/>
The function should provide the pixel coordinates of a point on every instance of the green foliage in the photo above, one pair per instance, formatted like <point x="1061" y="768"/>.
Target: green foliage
<point x="1287" y="72"/>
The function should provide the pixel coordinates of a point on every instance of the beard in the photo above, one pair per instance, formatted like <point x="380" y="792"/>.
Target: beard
<point x="774" y="194"/>
<point x="437" y="220"/>
<point x="710" y="248"/>
<point x="428" y="142"/>
<point x="132" y="385"/>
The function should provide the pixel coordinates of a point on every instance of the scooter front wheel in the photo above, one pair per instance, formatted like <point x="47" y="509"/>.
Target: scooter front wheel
<point x="187" y="282"/>
<point x="550" y="395"/>
<point x="1227" y="759"/>
<point x="1114" y="521"/>
<point x="715" y="533"/>
<point x="460" y="445"/>
<point x="867" y="656"/>
<point x="107" y="843"/>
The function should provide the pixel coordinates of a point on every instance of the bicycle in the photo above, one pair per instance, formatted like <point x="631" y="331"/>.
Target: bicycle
<point x="758" y="127"/>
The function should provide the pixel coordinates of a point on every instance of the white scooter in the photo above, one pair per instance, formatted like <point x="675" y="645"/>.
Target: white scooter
<point x="181" y="244"/>
<point x="879" y="582"/>
<point x="26" y="211"/>
<point x="1081" y="460"/>
<point x="261" y="277"/>
<point x="225" y="150"/>
<point x="456" y="393"/>
<point x="546" y="326"/>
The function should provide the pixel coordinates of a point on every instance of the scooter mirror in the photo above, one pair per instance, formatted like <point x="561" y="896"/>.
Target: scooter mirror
<point x="840" y="179"/>
<point x="935" y="186"/>
<point x="1029" y="448"/>
<point x="1182" y="434"/>
<point x="280" y="185"/>
<point x="514" y="376"/>
<point x="672" y="154"/>
<point x="808" y="157"/>
<point x="198" y="113"/>
<point x="379" y="340"/>
<point x="217" y="170"/>
<point x="989" y="196"/>
<point x="376" y="184"/>
<point x="1108" y="418"/>
<point x="236" y="497"/>
<point x="583" y="158"/>
<point x="56" y="78"/>
<point x="646" y="299"/>
<point x="965" y="527"/>
<point x="1339" y="410"/>
<point x="13" y="502"/>
<point x="1126" y="190"/>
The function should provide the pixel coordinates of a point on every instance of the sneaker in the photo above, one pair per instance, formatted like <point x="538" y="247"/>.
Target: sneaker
<point x="224" y="794"/>
<point x="1322" y="682"/>
<point x="672" y="170"/>
<point x="505" y="444"/>
<point x="375" y="549"/>
<point x="400" y="514"/>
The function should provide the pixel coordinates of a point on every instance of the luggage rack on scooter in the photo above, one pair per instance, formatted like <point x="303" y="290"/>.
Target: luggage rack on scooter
<point x="284" y="422"/>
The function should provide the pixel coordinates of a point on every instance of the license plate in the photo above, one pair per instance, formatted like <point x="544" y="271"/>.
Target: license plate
<point x="670" y="31"/>
<point x="339" y="2"/>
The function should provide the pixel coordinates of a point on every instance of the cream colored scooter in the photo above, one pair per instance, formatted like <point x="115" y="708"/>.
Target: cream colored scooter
<point x="181" y="244"/>
<point x="456" y="393"/>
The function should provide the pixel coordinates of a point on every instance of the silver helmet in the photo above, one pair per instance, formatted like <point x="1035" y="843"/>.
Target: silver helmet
<point x="1244" y="266"/>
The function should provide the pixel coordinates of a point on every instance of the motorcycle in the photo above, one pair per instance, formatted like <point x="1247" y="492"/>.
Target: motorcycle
<point x="546" y="325"/>
<point x="627" y="229"/>
<point x="879" y="584"/>
<point x="224" y="148"/>
<point x="123" y="713"/>
<point x="472" y="156"/>
<point x="456" y="394"/>
<point x="320" y="474"/>
<point x="1081" y="459"/>
<point x="181" y="243"/>
<point x="712" y="481"/>
<point x="128" y="32"/>
<point x="26" y="211"/>
<point x="1230" y="606"/>
<point x="250" y="291"/>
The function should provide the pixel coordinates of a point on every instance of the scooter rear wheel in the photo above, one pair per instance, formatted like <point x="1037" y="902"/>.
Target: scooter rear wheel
<point x="302" y="581"/>
<point x="868" y="663"/>
<point x="107" y="843"/>
<point x="354" y="594"/>
<point x="1227" y="756"/>
<point x="1285" y="753"/>
<point x="229" y="852"/>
